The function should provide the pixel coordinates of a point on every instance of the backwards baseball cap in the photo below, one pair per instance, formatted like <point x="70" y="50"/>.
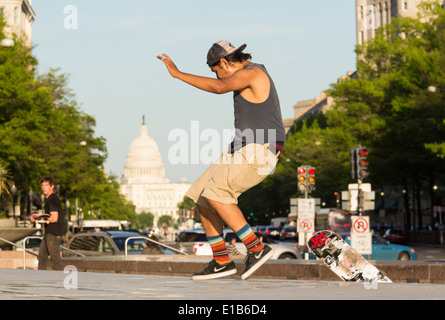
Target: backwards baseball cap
<point x="220" y="50"/>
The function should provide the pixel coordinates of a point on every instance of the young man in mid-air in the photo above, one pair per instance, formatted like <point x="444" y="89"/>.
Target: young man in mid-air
<point x="253" y="154"/>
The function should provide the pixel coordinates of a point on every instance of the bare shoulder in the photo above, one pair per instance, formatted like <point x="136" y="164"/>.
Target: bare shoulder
<point x="258" y="87"/>
<point x="252" y="72"/>
<point x="252" y="68"/>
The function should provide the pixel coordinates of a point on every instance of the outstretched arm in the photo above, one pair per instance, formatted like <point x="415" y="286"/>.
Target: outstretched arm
<point x="238" y="81"/>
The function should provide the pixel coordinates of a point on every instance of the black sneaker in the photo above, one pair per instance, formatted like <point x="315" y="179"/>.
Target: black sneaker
<point x="215" y="270"/>
<point x="254" y="260"/>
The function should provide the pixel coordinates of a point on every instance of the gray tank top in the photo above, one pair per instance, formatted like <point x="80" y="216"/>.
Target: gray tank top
<point x="258" y="122"/>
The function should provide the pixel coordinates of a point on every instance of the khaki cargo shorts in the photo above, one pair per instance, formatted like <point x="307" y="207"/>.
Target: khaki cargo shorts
<point x="232" y="174"/>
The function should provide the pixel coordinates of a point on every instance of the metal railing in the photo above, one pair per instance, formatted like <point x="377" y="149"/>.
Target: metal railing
<point x="154" y="241"/>
<point x="80" y="254"/>
<point x="24" y="249"/>
<point x="32" y="252"/>
<point x="72" y="251"/>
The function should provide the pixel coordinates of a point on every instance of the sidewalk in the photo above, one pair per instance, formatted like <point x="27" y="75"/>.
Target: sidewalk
<point x="58" y="285"/>
<point x="311" y="270"/>
<point x="423" y="272"/>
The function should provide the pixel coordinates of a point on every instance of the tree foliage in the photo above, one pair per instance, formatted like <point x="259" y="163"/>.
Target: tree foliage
<point x="386" y="107"/>
<point x="43" y="132"/>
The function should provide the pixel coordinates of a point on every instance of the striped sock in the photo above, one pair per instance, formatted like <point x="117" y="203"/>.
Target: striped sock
<point x="249" y="239"/>
<point x="220" y="253"/>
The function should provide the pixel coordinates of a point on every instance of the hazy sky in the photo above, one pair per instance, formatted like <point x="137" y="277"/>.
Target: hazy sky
<point x="109" y="50"/>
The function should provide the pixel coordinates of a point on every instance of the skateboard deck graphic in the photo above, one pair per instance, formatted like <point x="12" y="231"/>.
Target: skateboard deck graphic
<point x="342" y="259"/>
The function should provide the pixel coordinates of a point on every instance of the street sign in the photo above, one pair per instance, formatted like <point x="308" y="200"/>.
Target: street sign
<point x="360" y="224"/>
<point x="293" y="205"/>
<point x="362" y="242"/>
<point x="363" y="186"/>
<point x="306" y="209"/>
<point x="306" y="225"/>
<point x="306" y="219"/>
<point x="350" y="198"/>
<point x="361" y="235"/>
<point x="305" y="229"/>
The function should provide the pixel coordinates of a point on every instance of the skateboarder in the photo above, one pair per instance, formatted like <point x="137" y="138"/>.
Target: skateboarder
<point x="53" y="230"/>
<point x="253" y="154"/>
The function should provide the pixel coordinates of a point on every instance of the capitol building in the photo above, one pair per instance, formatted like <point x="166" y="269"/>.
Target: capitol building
<point x="143" y="182"/>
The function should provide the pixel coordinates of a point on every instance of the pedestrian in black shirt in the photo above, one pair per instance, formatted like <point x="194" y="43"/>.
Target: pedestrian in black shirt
<point x="49" y="250"/>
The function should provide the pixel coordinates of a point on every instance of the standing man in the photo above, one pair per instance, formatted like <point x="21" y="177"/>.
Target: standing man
<point x="253" y="154"/>
<point x="54" y="229"/>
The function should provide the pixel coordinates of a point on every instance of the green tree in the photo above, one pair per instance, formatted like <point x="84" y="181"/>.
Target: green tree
<point x="188" y="204"/>
<point x="44" y="132"/>
<point x="389" y="109"/>
<point x="145" y="220"/>
<point x="165" y="219"/>
<point x="5" y="179"/>
<point x="5" y="184"/>
<point x="105" y="196"/>
<point x="385" y="107"/>
<point x="309" y="142"/>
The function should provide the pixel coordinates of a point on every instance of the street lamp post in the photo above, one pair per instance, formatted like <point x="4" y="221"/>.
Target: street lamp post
<point x="30" y="195"/>
<point x="13" y="193"/>
<point x="434" y="89"/>
<point x="15" y="204"/>
<point x="7" y="43"/>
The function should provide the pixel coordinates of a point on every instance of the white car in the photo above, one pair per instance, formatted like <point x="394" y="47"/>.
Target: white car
<point x="281" y="250"/>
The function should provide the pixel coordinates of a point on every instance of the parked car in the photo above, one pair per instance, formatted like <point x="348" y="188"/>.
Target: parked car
<point x="188" y="237"/>
<point x="273" y="232"/>
<point x="260" y="229"/>
<point x="289" y="233"/>
<point x="396" y="236"/>
<point x="383" y="249"/>
<point x="112" y="243"/>
<point x="281" y="250"/>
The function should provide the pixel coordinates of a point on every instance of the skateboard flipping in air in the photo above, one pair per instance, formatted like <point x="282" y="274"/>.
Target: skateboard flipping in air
<point x="342" y="259"/>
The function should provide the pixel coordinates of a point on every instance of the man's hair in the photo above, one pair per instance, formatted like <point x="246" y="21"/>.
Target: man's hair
<point x="50" y="180"/>
<point x="235" y="57"/>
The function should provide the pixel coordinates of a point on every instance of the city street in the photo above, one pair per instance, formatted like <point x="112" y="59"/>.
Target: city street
<point x="431" y="253"/>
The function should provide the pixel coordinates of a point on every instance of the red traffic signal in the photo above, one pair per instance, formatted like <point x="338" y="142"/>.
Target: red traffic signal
<point x="363" y="152"/>
<point x="301" y="175"/>
<point x="362" y="163"/>
<point x="306" y="178"/>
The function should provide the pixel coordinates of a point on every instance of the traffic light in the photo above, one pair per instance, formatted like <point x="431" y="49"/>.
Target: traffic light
<point x="306" y="178"/>
<point x="362" y="163"/>
<point x="359" y="163"/>
<point x="337" y="199"/>
<point x="311" y="178"/>
<point x="302" y="179"/>
<point x="354" y="163"/>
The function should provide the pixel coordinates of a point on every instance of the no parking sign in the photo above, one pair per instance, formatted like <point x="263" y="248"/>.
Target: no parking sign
<point x="361" y="235"/>
<point x="305" y="229"/>
<point x="360" y="224"/>
<point x="306" y="225"/>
